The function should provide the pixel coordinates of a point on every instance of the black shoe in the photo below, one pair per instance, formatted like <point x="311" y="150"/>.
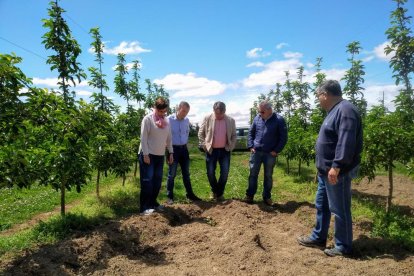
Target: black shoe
<point x="334" y="252"/>
<point x="160" y="208"/>
<point x="248" y="199"/>
<point x="268" y="202"/>
<point x="220" y="198"/>
<point x="193" y="197"/>
<point x="308" y="242"/>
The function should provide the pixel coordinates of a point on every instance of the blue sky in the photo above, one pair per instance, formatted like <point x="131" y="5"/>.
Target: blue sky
<point x="209" y="50"/>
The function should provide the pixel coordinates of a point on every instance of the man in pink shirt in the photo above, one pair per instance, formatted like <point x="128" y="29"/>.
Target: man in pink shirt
<point x="217" y="137"/>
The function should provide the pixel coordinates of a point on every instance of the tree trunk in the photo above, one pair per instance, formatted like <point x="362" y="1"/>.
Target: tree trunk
<point x="315" y="179"/>
<point x="123" y="179"/>
<point x="390" y="188"/>
<point x="98" y="177"/>
<point x="62" y="198"/>
<point x="287" y="166"/>
<point x="136" y="168"/>
<point x="299" y="166"/>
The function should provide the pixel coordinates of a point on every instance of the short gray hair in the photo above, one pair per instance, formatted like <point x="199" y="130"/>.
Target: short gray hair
<point x="265" y="104"/>
<point x="332" y="87"/>
<point x="219" y="106"/>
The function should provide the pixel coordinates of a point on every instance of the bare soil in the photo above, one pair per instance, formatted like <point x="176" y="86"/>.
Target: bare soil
<point x="229" y="238"/>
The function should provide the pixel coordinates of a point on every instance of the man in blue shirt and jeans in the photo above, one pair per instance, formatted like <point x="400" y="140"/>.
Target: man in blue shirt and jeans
<point x="338" y="154"/>
<point x="267" y="138"/>
<point x="180" y="129"/>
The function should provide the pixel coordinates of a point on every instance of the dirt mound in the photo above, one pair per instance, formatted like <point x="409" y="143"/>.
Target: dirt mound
<point x="403" y="193"/>
<point x="229" y="238"/>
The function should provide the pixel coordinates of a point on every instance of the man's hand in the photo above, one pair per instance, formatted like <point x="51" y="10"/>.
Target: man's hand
<point x="273" y="153"/>
<point x="170" y="159"/>
<point x="252" y="150"/>
<point x="147" y="159"/>
<point x="333" y="175"/>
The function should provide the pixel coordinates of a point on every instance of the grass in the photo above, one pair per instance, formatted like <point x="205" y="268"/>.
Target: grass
<point x="18" y="205"/>
<point x="117" y="201"/>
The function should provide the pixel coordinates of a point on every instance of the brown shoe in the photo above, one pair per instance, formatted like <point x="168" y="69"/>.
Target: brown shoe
<point x="248" y="199"/>
<point x="268" y="202"/>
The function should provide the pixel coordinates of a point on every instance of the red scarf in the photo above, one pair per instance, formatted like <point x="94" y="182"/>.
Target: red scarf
<point x="159" y="120"/>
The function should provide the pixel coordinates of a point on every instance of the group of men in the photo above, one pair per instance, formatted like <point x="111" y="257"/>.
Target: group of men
<point x="338" y="150"/>
<point x="217" y="138"/>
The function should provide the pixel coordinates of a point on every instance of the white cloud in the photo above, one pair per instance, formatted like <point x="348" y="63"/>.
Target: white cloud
<point x="257" y="53"/>
<point x="334" y="74"/>
<point x="240" y="109"/>
<point x="199" y="107"/>
<point x="292" y="55"/>
<point x="83" y="93"/>
<point x="374" y="93"/>
<point x="281" y="45"/>
<point x="52" y="82"/>
<point x="273" y="72"/>
<point x="253" y="53"/>
<point x="125" y="47"/>
<point x="49" y="82"/>
<point x="379" y="52"/>
<point x="368" y="58"/>
<point x="255" y="64"/>
<point x="189" y="85"/>
<point x="237" y="107"/>
<point x="128" y="66"/>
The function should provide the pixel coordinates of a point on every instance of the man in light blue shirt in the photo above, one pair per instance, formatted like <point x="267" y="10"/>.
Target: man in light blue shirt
<point x="180" y="129"/>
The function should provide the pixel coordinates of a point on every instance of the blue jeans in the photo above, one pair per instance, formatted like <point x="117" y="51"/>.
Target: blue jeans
<point x="150" y="181"/>
<point x="255" y="162"/>
<point x="334" y="199"/>
<point x="182" y="157"/>
<point x="223" y="158"/>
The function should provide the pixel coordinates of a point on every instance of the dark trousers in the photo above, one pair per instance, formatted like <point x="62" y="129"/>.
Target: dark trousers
<point x="182" y="158"/>
<point x="150" y="181"/>
<point x="223" y="158"/>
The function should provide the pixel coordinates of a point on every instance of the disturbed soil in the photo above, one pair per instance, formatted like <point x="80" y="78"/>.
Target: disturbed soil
<point x="228" y="238"/>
